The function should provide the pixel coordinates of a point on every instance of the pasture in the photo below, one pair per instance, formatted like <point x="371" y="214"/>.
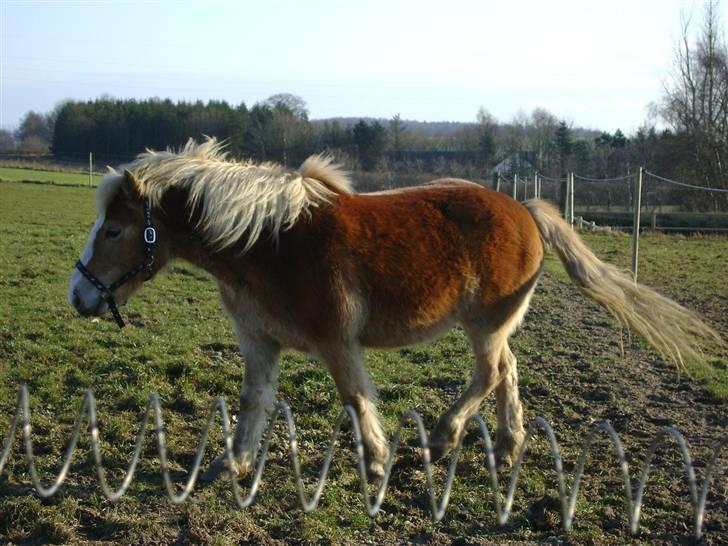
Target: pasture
<point x="62" y="178"/>
<point x="179" y="345"/>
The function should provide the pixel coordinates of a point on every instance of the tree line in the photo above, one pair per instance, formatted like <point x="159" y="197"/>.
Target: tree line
<point x="279" y="130"/>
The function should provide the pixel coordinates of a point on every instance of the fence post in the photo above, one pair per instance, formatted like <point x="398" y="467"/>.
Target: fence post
<point x="515" y="187"/>
<point x="636" y="223"/>
<point x="90" y="166"/>
<point x="536" y="189"/>
<point x="571" y="200"/>
<point x="566" y="197"/>
<point x="497" y="182"/>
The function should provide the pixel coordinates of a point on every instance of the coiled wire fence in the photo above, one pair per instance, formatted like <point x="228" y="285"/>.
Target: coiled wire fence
<point x="567" y="496"/>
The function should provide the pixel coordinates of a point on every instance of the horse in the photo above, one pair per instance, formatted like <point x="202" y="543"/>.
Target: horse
<point x="302" y="261"/>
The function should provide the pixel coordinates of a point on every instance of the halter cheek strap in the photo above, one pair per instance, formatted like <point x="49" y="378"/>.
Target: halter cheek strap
<point x="146" y="266"/>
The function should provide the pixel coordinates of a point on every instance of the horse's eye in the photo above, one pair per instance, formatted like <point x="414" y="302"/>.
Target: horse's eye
<point x="112" y="233"/>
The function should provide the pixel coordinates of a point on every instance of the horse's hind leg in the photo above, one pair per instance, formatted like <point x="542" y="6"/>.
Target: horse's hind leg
<point x="488" y="349"/>
<point x="510" y="434"/>
<point x="495" y="368"/>
<point x="346" y="365"/>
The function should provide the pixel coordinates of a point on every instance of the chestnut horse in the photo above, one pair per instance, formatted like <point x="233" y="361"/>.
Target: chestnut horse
<point x="302" y="261"/>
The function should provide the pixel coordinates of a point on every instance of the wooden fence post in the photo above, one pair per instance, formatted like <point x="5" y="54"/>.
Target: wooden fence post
<point x="90" y="167"/>
<point x="515" y="187"/>
<point x="636" y="224"/>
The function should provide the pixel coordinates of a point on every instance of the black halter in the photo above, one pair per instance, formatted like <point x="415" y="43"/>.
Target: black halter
<point x="107" y="292"/>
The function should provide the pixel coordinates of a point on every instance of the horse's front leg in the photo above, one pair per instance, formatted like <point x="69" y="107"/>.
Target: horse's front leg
<point x="257" y="396"/>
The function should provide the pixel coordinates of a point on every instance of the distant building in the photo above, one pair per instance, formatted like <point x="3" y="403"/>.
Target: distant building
<point x="520" y="163"/>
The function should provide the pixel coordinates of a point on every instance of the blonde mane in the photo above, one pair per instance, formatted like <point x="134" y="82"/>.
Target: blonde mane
<point x="236" y="199"/>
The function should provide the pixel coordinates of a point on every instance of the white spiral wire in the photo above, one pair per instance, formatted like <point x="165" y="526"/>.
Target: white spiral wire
<point x="373" y="504"/>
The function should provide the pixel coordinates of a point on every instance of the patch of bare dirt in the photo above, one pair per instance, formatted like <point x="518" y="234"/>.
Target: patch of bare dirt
<point x="580" y="378"/>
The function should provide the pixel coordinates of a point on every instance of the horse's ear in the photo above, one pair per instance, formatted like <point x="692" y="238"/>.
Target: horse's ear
<point x="132" y="186"/>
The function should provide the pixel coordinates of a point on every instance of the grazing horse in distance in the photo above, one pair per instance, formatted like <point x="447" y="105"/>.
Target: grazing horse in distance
<point x="302" y="261"/>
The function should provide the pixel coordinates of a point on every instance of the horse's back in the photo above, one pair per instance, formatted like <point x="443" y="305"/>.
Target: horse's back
<point x="424" y="257"/>
<point x="445" y="215"/>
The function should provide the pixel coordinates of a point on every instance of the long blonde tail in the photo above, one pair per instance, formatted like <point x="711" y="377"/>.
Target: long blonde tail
<point x="677" y="333"/>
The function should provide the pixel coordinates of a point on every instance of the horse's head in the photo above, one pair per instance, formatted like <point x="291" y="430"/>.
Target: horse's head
<point x="120" y="253"/>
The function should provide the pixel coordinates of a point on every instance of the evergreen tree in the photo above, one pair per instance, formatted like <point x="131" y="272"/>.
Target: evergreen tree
<point x="563" y="143"/>
<point x="397" y="133"/>
<point x="371" y="141"/>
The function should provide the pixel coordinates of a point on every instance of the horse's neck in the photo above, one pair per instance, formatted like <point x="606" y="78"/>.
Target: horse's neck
<point x="187" y="242"/>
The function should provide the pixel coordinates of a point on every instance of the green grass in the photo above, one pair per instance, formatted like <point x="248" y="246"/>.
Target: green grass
<point x="14" y="174"/>
<point x="180" y="346"/>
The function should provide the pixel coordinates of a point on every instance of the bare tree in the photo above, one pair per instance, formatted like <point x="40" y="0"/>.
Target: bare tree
<point x="289" y="126"/>
<point x="293" y="103"/>
<point x="695" y="104"/>
<point x="485" y="118"/>
<point x="543" y="125"/>
<point x="513" y="140"/>
<point x="486" y="136"/>
<point x="34" y="132"/>
<point x="7" y="142"/>
<point x="33" y="145"/>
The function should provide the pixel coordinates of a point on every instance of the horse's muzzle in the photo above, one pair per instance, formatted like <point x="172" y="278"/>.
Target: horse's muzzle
<point x="85" y="310"/>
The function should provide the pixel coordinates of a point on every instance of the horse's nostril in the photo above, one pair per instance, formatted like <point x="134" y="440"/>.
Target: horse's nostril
<point x="76" y="299"/>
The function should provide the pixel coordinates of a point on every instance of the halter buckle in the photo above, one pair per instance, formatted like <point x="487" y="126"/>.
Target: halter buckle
<point x="150" y="235"/>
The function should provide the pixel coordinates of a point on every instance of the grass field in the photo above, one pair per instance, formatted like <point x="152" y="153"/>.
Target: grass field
<point x="179" y="345"/>
<point x="15" y="174"/>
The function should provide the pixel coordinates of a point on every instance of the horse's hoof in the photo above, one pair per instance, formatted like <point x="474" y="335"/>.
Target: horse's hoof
<point x="221" y="467"/>
<point x="244" y="464"/>
<point x="438" y="450"/>
<point x="440" y="444"/>
<point x="503" y="460"/>
<point x="506" y="450"/>
<point x="217" y="469"/>
<point x="375" y="471"/>
<point x="442" y="440"/>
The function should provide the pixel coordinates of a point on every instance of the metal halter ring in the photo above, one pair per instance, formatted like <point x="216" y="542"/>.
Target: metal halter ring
<point x="150" y="235"/>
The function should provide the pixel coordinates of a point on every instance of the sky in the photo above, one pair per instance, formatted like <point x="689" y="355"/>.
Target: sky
<point x="594" y="63"/>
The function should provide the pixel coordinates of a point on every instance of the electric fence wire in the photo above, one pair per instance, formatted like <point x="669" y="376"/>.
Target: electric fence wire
<point x="633" y="504"/>
<point x="550" y="179"/>
<point x="685" y="185"/>
<point x="616" y="179"/>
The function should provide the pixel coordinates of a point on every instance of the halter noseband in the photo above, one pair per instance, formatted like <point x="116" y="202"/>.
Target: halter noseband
<point x="107" y="292"/>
